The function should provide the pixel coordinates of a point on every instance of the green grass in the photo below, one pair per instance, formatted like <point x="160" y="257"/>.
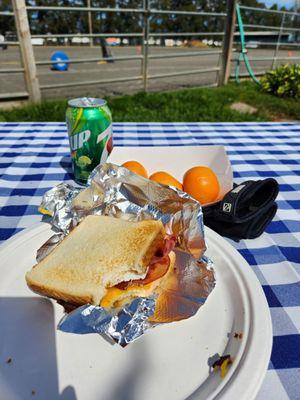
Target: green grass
<point x="189" y="105"/>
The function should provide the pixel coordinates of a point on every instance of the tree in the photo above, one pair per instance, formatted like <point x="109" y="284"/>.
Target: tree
<point x="58" y="22"/>
<point x="7" y="23"/>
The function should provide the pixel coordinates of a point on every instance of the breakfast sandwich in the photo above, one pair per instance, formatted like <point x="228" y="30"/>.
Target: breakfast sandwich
<point x="105" y="261"/>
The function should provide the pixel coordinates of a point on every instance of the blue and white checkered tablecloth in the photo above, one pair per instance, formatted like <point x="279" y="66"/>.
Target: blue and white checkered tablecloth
<point x="35" y="157"/>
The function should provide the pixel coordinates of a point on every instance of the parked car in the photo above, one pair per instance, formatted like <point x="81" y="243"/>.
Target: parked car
<point x="80" y="40"/>
<point x="10" y="36"/>
<point x="111" y="41"/>
<point x="37" y="41"/>
<point x="252" y="44"/>
<point x="3" y="45"/>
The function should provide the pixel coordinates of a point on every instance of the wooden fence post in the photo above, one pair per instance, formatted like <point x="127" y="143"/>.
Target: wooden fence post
<point x="228" y="42"/>
<point x="24" y="37"/>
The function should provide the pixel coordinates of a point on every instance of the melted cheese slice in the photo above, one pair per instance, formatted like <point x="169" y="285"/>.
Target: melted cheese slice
<point x="115" y="297"/>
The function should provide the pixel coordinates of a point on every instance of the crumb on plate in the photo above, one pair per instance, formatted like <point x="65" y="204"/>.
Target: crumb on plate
<point x="238" y="335"/>
<point x="45" y="212"/>
<point x="223" y="363"/>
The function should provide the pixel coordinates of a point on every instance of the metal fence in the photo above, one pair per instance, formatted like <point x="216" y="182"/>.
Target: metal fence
<point x="221" y="68"/>
<point x="30" y="65"/>
<point x="10" y="15"/>
<point x="276" y="45"/>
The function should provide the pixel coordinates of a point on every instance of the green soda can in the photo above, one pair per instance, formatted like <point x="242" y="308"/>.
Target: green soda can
<point x="89" y="126"/>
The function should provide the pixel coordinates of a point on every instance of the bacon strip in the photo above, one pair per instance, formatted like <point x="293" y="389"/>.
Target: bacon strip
<point x="155" y="271"/>
<point x="158" y="267"/>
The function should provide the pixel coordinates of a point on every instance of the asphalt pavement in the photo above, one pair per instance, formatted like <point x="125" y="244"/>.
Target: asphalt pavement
<point x="14" y="83"/>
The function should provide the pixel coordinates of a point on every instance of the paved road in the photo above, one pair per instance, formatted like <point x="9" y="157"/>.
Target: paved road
<point x="12" y="82"/>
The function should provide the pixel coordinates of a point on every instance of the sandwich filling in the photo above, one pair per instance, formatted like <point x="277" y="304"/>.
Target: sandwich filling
<point x="128" y="290"/>
<point x="158" y="266"/>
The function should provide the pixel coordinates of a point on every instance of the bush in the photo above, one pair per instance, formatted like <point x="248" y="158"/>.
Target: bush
<point x="284" y="81"/>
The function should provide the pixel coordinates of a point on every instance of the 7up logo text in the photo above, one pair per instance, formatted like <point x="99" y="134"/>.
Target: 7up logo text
<point x="106" y="133"/>
<point x="78" y="140"/>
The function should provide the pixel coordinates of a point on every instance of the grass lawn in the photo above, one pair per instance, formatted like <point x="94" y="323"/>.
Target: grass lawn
<point x="189" y="105"/>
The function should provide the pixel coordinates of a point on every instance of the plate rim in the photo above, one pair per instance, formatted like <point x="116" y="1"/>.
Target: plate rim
<point x="257" y="302"/>
<point x="245" y="274"/>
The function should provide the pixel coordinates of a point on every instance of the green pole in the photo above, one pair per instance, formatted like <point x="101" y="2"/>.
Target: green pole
<point x="243" y="53"/>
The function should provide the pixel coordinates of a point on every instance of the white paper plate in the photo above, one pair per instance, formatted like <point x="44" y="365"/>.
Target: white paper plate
<point x="168" y="362"/>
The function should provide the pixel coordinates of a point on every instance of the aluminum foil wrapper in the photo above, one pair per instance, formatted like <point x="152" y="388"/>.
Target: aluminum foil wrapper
<point x="116" y="192"/>
<point x="124" y="327"/>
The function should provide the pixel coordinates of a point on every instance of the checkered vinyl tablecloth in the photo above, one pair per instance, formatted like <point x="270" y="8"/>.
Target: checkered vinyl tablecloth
<point x="35" y="156"/>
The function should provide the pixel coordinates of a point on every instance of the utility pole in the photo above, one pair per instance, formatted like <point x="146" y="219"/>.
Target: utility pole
<point x="90" y="24"/>
<point x="297" y="10"/>
<point x="145" y="47"/>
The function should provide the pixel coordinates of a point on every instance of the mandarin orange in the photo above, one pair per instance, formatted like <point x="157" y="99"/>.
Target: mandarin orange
<point x="165" y="179"/>
<point x="136" y="167"/>
<point x="202" y="184"/>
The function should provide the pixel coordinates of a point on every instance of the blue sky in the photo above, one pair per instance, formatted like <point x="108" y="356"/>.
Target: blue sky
<point x="286" y="3"/>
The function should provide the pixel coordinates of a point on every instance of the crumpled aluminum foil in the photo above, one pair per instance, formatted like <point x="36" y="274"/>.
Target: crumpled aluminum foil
<point x="115" y="191"/>
<point x="124" y="327"/>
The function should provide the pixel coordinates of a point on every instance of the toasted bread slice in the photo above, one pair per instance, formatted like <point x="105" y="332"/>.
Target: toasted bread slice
<point x="99" y="253"/>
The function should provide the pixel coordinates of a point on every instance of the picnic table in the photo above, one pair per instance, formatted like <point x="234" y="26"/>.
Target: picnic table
<point x="35" y="157"/>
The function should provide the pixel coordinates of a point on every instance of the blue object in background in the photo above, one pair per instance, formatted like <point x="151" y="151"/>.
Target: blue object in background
<point x="60" y="56"/>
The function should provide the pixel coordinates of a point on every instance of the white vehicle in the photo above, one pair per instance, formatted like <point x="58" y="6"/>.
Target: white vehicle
<point x="85" y="40"/>
<point x="76" y="40"/>
<point x="217" y="43"/>
<point x="252" y="44"/>
<point x="51" y="40"/>
<point x="80" y="40"/>
<point x="37" y="41"/>
<point x="3" y="45"/>
<point x="169" y="42"/>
